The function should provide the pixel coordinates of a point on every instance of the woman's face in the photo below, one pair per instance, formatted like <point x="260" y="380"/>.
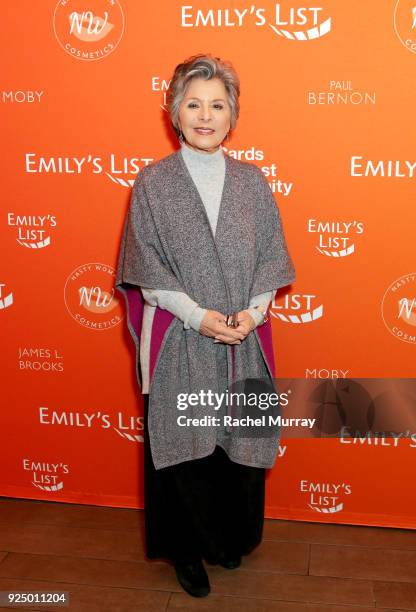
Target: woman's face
<point x="205" y="114"/>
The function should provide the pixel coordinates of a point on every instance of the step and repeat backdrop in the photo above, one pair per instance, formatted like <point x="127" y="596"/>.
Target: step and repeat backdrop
<point x="327" y="113"/>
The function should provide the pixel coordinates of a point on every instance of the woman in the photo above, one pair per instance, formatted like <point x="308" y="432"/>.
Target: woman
<point x="202" y="241"/>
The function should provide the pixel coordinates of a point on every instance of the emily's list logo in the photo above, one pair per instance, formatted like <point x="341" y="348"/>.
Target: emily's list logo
<point x="6" y="297"/>
<point x="32" y="231"/>
<point x="128" y="427"/>
<point x="115" y="167"/>
<point x="335" y="238"/>
<point x="297" y="308"/>
<point x="46" y="476"/>
<point x="325" y="497"/>
<point x="291" y="21"/>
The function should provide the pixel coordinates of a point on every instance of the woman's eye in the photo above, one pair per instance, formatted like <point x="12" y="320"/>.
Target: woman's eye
<point x="195" y="105"/>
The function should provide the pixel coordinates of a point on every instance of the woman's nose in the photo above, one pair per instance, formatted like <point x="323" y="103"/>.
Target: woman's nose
<point x="205" y="113"/>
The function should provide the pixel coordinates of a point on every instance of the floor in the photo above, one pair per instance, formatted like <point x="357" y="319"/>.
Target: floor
<point x="97" y="555"/>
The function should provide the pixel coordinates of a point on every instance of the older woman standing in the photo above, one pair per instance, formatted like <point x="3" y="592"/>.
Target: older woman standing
<point x="202" y="240"/>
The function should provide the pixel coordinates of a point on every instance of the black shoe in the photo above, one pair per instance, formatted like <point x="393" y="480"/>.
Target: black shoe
<point x="193" y="578"/>
<point x="230" y="561"/>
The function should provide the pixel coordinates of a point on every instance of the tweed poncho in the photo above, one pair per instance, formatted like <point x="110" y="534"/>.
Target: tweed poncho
<point x="168" y="243"/>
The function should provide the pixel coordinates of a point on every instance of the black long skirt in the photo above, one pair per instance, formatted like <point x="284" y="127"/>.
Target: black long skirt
<point x="202" y="508"/>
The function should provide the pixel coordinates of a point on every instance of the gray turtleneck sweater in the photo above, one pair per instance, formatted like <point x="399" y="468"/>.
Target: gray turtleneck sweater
<point x="208" y="173"/>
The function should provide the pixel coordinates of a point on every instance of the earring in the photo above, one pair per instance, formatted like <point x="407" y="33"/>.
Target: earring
<point x="181" y="137"/>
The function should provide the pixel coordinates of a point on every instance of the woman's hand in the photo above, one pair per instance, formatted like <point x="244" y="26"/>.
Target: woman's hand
<point x="246" y="323"/>
<point x="214" y="325"/>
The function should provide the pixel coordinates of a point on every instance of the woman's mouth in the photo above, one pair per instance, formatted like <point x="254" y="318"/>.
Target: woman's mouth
<point x="204" y="131"/>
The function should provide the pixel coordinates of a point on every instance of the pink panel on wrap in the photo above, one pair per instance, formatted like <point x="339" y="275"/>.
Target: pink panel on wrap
<point x="161" y="321"/>
<point x="264" y="333"/>
<point x="135" y="306"/>
<point x="163" y="318"/>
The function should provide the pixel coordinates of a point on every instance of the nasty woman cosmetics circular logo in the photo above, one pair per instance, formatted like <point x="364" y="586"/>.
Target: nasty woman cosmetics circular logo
<point x="398" y="308"/>
<point x="89" y="296"/>
<point x="405" y="23"/>
<point x="88" y="30"/>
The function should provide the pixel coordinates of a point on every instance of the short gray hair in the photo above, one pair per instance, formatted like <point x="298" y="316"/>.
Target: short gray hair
<point x="203" y="66"/>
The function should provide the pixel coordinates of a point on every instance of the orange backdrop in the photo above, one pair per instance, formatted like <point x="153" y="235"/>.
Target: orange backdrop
<point x="327" y="111"/>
